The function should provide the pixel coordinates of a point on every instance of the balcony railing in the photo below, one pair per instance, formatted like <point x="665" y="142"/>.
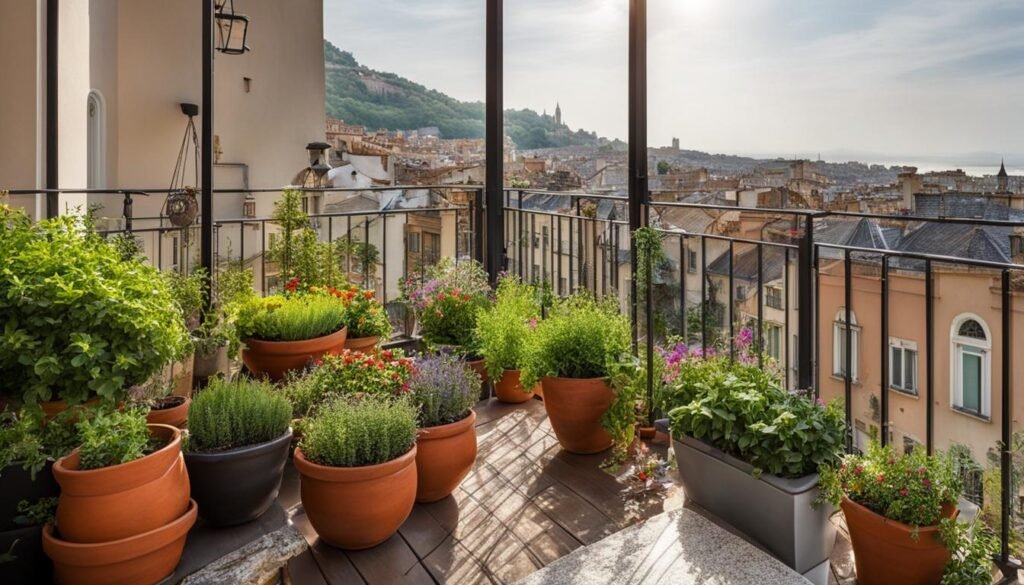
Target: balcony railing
<point x="779" y="271"/>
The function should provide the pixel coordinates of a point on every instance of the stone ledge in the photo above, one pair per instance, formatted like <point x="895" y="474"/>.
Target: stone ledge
<point x="256" y="563"/>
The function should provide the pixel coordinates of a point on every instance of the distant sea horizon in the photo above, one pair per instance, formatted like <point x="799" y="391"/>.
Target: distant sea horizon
<point x="927" y="166"/>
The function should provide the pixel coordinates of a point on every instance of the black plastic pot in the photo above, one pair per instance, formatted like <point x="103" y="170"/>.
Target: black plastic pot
<point x="16" y="484"/>
<point x="21" y="557"/>
<point x="237" y="485"/>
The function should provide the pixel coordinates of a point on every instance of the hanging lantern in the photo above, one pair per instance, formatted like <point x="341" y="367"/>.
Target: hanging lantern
<point x="232" y="28"/>
<point x="249" y="206"/>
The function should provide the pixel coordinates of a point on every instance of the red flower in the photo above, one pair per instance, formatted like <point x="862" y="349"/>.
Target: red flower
<point x="926" y="482"/>
<point x="880" y="478"/>
<point x="292" y="285"/>
<point x="368" y="294"/>
<point x="904" y="493"/>
<point x="642" y="476"/>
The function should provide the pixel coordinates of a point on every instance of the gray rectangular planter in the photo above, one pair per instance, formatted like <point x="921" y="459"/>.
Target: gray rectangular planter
<point x="772" y="511"/>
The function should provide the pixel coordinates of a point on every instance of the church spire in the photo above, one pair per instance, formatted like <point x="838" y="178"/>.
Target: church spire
<point x="1003" y="179"/>
<point x="558" y="114"/>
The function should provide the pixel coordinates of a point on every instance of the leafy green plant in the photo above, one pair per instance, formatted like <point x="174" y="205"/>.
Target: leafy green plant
<point x="28" y="438"/>
<point x="78" y="319"/>
<point x="446" y="300"/>
<point x="41" y="511"/>
<point x="972" y="546"/>
<point x="356" y="431"/>
<point x="231" y="414"/>
<point x="350" y="372"/>
<point x="364" y="315"/>
<point x="114" y="437"/>
<point x="443" y="389"/>
<point x="740" y="410"/>
<point x="297" y="249"/>
<point x="582" y="338"/>
<point x="189" y="293"/>
<point x="290" y="317"/>
<point x="503" y="329"/>
<point x="649" y="253"/>
<point x="911" y="489"/>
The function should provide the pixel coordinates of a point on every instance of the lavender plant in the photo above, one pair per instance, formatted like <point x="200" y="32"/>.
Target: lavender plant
<point x="443" y="389"/>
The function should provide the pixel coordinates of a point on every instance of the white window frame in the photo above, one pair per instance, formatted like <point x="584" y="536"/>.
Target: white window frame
<point x="838" y="335"/>
<point x="903" y="346"/>
<point x="96" y="139"/>
<point x="960" y="345"/>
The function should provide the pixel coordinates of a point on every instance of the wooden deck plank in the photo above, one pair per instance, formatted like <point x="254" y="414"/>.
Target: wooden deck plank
<point x="452" y="563"/>
<point x="577" y="516"/>
<point x="335" y="565"/>
<point x="385" y="563"/>
<point x="303" y="570"/>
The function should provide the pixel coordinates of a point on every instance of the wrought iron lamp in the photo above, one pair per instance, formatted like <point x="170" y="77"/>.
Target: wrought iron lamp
<point x="232" y="28"/>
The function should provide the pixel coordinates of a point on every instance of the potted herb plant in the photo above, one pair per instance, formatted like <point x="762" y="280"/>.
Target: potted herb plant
<point x="894" y="504"/>
<point x="81" y="320"/>
<point x="365" y="318"/>
<point x="124" y="508"/>
<point x="189" y="293"/>
<point x="238" y="440"/>
<point x="357" y="468"/>
<point x="349" y="373"/>
<point x="286" y="332"/>
<point x="749" y="452"/>
<point x="216" y="340"/>
<point x="502" y="331"/>
<point x="574" y="354"/>
<point x="163" y="405"/>
<point x="444" y="391"/>
<point x="446" y="300"/>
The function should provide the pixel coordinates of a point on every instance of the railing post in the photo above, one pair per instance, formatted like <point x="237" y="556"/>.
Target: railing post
<point x="206" y="148"/>
<point x="126" y="206"/>
<point x="478" y="229"/>
<point x="52" y="109"/>
<point x="495" y="138"/>
<point x="806" y="307"/>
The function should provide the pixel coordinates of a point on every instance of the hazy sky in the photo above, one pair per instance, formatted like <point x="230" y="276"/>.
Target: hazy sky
<point x="910" y="78"/>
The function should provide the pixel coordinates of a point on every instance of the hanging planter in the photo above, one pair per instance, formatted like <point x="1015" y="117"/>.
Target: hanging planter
<point x="182" y="207"/>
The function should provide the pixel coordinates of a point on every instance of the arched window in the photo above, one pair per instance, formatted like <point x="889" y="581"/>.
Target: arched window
<point x="839" y="345"/>
<point x="96" y="137"/>
<point x="971" y="367"/>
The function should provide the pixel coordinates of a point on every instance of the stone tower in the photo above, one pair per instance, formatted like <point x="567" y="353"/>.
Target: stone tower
<point x="1003" y="179"/>
<point x="558" y="114"/>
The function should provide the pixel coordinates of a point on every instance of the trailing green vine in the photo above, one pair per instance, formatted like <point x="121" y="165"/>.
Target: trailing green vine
<point x="649" y="253"/>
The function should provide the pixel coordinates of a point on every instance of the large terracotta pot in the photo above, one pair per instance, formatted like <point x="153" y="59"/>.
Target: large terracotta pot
<point x="120" y="501"/>
<point x="275" y="358"/>
<point x="142" y="559"/>
<point x="238" y="485"/>
<point x="508" y="388"/>
<point x="885" y="550"/>
<point x="445" y="454"/>
<point x="575" y="407"/>
<point x="175" y="416"/>
<point x="362" y="344"/>
<point x="357" y="507"/>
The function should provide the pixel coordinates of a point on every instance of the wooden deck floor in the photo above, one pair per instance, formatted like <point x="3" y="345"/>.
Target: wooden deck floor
<point x="525" y="504"/>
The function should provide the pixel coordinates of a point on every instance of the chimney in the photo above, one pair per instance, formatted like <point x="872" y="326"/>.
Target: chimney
<point x="910" y="184"/>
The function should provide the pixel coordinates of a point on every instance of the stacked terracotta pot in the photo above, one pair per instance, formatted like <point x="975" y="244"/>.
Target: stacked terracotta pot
<point x="123" y="524"/>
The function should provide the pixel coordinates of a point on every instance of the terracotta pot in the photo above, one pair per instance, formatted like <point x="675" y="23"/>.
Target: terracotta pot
<point x="142" y="559"/>
<point x="445" y="454"/>
<point x="362" y="344"/>
<point x="238" y="485"/>
<point x="111" y="503"/>
<point x="212" y="364"/>
<point x="275" y="358"/>
<point x="645" y="433"/>
<point x="885" y="551"/>
<point x="575" y="407"/>
<point x="508" y="388"/>
<point x="52" y="408"/>
<point x="357" y="507"/>
<point x="175" y="416"/>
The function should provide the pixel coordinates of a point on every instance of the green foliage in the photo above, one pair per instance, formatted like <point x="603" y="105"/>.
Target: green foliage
<point x="114" y="437"/>
<point x="234" y="284"/>
<point x="356" y="431"/>
<point x="350" y="372"/>
<point x="906" y="488"/>
<point x="29" y="439"/>
<point x="582" y="338"/>
<point x="234" y="414"/>
<point x="189" y="293"/>
<point x="78" y="319"/>
<point x="740" y="410"/>
<point x="649" y="253"/>
<point x="443" y="389"/>
<point x="364" y="315"/>
<point x="290" y="317"/>
<point x="297" y="249"/>
<point x="42" y="511"/>
<point x="446" y="300"/>
<point x="503" y="329"/>
<point x="972" y="546"/>
<point x="364" y="253"/>
<point x="663" y="167"/>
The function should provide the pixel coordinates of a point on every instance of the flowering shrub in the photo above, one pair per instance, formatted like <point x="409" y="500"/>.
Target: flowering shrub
<point x="446" y="299"/>
<point x="911" y="489"/>
<point x="350" y="372"/>
<point x="443" y="389"/>
<point x="364" y="315"/>
<point x="503" y="329"/>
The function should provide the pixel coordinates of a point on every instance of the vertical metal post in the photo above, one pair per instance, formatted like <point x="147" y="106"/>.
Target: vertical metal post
<point x="884" y="398"/>
<point x="929" y="345"/>
<point x="1007" y="425"/>
<point x="682" y="286"/>
<point x="478" y="229"/>
<point x="495" y="133"/>
<point x="637" y="135"/>
<point x="704" y="303"/>
<point x="788" y="364"/>
<point x="805" y="301"/>
<point x="760" y="307"/>
<point x="206" y="149"/>
<point x="52" y="110"/>
<point x="848" y="335"/>
<point x="732" y="301"/>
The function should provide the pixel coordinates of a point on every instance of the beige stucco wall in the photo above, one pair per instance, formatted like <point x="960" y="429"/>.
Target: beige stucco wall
<point x="955" y="293"/>
<point x="20" y="58"/>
